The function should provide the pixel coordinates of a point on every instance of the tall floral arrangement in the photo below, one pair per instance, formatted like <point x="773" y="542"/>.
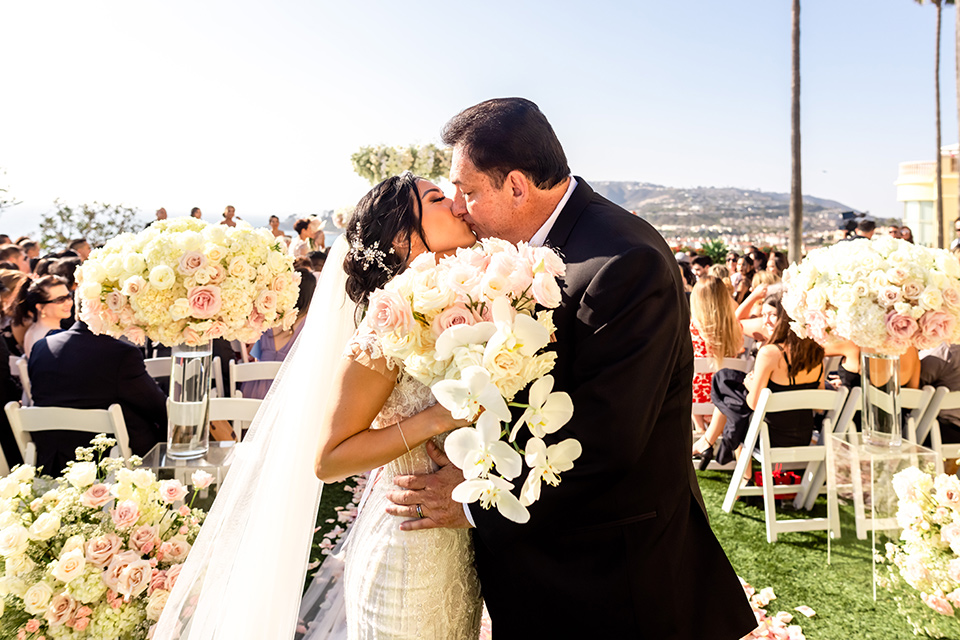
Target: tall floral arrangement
<point x="87" y="558"/>
<point x="184" y="281"/>
<point x="376" y="163"/>
<point x="468" y="327"/>
<point x="884" y="295"/>
<point x="927" y="556"/>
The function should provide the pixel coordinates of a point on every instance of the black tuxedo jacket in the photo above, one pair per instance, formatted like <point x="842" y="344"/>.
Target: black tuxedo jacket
<point x="622" y="547"/>
<point x="81" y="370"/>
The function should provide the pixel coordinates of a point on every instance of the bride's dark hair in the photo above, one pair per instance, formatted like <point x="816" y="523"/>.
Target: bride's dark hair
<point x="380" y="235"/>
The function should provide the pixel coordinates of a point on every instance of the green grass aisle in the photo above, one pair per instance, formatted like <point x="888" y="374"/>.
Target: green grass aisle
<point x="796" y="568"/>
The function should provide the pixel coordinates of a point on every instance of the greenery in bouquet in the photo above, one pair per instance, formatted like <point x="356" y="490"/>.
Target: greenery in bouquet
<point x="184" y="281"/>
<point x="925" y="564"/>
<point x="884" y="295"/>
<point x="94" y="553"/>
<point x="468" y="327"/>
<point x="377" y="163"/>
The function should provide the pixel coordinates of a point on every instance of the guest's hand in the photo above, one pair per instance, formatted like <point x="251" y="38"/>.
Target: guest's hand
<point x="432" y="493"/>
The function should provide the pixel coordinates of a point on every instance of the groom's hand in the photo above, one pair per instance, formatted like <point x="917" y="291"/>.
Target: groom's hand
<point x="432" y="492"/>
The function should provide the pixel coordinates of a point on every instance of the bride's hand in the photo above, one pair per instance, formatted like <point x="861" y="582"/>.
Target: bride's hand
<point x="444" y="420"/>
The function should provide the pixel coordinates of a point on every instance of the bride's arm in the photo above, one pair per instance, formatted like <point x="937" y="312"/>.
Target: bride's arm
<point x="347" y="443"/>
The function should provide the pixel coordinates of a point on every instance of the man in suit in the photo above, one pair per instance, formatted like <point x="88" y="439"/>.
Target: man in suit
<point x="622" y="547"/>
<point x="81" y="370"/>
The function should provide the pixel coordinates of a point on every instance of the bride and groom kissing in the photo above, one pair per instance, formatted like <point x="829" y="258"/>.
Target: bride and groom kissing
<point x="622" y="546"/>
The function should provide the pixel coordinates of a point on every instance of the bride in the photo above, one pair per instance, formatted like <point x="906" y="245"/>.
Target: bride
<point x="245" y="572"/>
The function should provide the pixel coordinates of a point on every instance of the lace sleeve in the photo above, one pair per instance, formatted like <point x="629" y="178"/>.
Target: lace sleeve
<point x="364" y="349"/>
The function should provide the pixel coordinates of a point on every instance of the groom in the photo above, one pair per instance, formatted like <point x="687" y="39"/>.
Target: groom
<point x="622" y="547"/>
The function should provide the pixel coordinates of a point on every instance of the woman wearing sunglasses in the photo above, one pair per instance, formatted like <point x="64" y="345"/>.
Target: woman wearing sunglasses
<point x="42" y="306"/>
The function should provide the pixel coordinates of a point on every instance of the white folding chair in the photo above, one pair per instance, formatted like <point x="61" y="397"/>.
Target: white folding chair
<point x="769" y="402"/>
<point x="158" y="367"/>
<point x="239" y="411"/>
<point x="249" y="371"/>
<point x="26" y="420"/>
<point x="217" y="378"/>
<point x="4" y="466"/>
<point x="943" y="400"/>
<point x="709" y="365"/>
<point x="18" y="368"/>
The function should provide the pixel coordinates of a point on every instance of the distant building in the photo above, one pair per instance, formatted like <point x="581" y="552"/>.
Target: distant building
<point x="917" y="190"/>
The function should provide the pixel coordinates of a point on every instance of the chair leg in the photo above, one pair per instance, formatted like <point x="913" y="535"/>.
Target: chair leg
<point x="736" y="482"/>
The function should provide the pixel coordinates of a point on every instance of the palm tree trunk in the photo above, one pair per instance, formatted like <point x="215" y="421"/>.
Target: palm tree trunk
<point x="796" y="193"/>
<point x="939" y="183"/>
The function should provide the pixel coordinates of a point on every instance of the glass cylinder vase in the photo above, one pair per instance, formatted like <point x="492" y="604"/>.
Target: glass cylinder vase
<point x="188" y="424"/>
<point x="880" y="381"/>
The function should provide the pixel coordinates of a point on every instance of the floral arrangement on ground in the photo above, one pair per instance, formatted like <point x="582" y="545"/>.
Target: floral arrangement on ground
<point x="88" y="558"/>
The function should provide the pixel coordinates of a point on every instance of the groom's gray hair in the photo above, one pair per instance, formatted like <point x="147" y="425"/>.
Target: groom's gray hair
<point x="509" y="134"/>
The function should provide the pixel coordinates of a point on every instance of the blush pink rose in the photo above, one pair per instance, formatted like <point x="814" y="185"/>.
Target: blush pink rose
<point x="111" y="577"/>
<point x="502" y="264"/>
<point x="889" y="296"/>
<point x="266" y="301"/>
<point x="172" y="574"/>
<point x="60" y="610"/>
<point x="951" y="296"/>
<point x="174" y="550"/>
<point x="134" y="578"/>
<point x="144" y="539"/>
<point x="136" y="335"/>
<point x="217" y="330"/>
<point x="191" y="337"/>
<point x="115" y="301"/>
<point x="101" y="550"/>
<point x="389" y="312"/>
<point x="205" y="301"/>
<point x="901" y="328"/>
<point x="133" y="285"/>
<point x="953" y="570"/>
<point x="912" y="289"/>
<point x="32" y="626"/>
<point x="80" y="624"/>
<point x="817" y="325"/>
<point x="125" y="514"/>
<point x="190" y="262"/>
<point x="546" y="291"/>
<point x="452" y="317"/>
<point x="938" y="603"/>
<point x="157" y="580"/>
<point x="552" y="263"/>
<point x="96" y="496"/>
<point x="217" y="274"/>
<point x="111" y="316"/>
<point x="281" y="282"/>
<point x="172" y="490"/>
<point x="937" y="325"/>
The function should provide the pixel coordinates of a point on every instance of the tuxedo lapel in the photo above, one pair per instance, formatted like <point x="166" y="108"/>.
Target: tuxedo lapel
<point x="569" y="215"/>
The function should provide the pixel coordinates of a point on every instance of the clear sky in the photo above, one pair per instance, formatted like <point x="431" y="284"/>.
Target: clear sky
<point x="259" y="105"/>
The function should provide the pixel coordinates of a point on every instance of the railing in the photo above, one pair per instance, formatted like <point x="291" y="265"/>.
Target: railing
<point x="917" y="170"/>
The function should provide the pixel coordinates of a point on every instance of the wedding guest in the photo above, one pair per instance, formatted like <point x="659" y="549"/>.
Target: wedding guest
<point x="195" y="213"/>
<point x="317" y="260"/>
<point x="940" y="367"/>
<point x="956" y="241"/>
<point x="742" y="278"/>
<point x="31" y="248"/>
<point x="731" y="261"/>
<point x="66" y="268"/>
<point x="317" y="237"/>
<point x="788" y="363"/>
<point x="14" y="255"/>
<point x="758" y="257"/>
<point x="303" y="262"/>
<point x="42" y="305"/>
<point x="721" y="271"/>
<point x="715" y="331"/>
<point x="759" y="328"/>
<point x="848" y="373"/>
<point x="699" y="265"/>
<point x="777" y="263"/>
<point x="161" y="214"/>
<point x="4" y="239"/>
<point x="80" y="370"/>
<point x="11" y="282"/>
<point x="9" y="391"/>
<point x="906" y="234"/>
<point x="300" y="245"/>
<point x="228" y="216"/>
<point x="688" y="278"/>
<point x="81" y="247"/>
<point x="275" y="344"/>
<point x="275" y="228"/>
<point x="866" y="227"/>
<point x="893" y="231"/>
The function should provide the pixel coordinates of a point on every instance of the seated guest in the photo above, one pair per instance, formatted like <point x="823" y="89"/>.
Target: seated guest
<point x="721" y="271"/>
<point x="714" y="330"/>
<point x="759" y="326"/>
<point x="317" y="260"/>
<point x="699" y="265"/>
<point x="14" y="254"/>
<point x="11" y="282"/>
<point x="940" y="367"/>
<point x="41" y="307"/>
<point x="302" y="242"/>
<point x="788" y="363"/>
<point x="848" y="373"/>
<point x="742" y="278"/>
<point x="777" y="263"/>
<point x="80" y="247"/>
<point x="66" y="268"/>
<point x="275" y="344"/>
<point x="80" y="370"/>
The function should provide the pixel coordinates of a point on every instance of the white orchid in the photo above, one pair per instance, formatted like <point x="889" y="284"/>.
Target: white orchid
<point x="546" y="464"/>
<point x="476" y="450"/>
<point x="474" y="390"/>
<point x="492" y="492"/>
<point x="461" y="335"/>
<point x="514" y="331"/>
<point x="546" y="411"/>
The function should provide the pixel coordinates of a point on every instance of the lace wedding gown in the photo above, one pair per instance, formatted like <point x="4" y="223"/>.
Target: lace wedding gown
<point x="404" y="584"/>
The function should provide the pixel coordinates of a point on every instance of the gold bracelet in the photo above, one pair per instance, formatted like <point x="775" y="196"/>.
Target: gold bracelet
<point x="403" y="437"/>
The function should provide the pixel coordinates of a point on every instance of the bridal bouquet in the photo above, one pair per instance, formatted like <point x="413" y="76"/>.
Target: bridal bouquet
<point x="184" y="281"/>
<point x="928" y="555"/>
<point x="85" y="558"/>
<point x="467" y="328"/>
<point x="883" y="294"/>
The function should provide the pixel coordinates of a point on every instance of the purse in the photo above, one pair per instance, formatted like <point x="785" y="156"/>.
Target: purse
<point x="779" y="477"/>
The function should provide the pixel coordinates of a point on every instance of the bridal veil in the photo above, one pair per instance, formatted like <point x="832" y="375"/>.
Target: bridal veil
<point x="245" y="573"/>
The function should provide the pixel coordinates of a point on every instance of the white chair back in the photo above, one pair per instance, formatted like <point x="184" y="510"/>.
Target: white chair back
<point x="813" y="455"/>
<point x="158" y="367"/>
<point x="943" y="400"/>
<point x="4" y="465"/>
<point x="26" y="420"/>
<point x="249" y="371"/>
<point x="239" y="411"/>
<point x="18" y="368"/>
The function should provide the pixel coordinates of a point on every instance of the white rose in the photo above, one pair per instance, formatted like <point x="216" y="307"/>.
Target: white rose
<point x="9" y="488"/>
<point x="162" y="277"/>
<point x="23" y="473"/>
<point x="931" y="298"/>
<point x="82" y="474"/>
<point x="277" y="261"/>
<point x="134" y="263"/>
<point x="143" y="477"/>
<point x="44" y="527"/>
<point x="19" y="565"/>
<point x="113" y="265"/>
<point x="13" y="541"/>
<point x="180" y="309"/>
<point x="844" y="296"/>
<point x="10" y="585"/>
<point x="73" y="542"/>
<point x="948" y="264"/>
<point x="92" y="272"/>
<point x="239" y="268"/>
<point x="8" y="518"/>
<point x="158" y="600"/>
<point x="816" y="299"/>
<point x="36" y="598"/>
<point x="69" y="566"/>
<point x="90" y="291"/>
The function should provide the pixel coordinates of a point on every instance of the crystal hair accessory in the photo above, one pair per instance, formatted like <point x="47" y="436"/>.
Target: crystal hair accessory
<point x="367" y="255"/>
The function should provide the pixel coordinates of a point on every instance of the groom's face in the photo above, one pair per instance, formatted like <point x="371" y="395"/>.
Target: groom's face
<point x="490" y="211"/>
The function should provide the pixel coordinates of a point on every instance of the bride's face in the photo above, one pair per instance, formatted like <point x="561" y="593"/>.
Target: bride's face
<point x="444" y="231"/>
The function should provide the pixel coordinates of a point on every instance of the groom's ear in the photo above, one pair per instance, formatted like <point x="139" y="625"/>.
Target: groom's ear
<point x="518" y="184"/>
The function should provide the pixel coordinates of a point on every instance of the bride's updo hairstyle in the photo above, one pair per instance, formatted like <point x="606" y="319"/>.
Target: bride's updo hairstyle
<point x="380" y="234"/>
